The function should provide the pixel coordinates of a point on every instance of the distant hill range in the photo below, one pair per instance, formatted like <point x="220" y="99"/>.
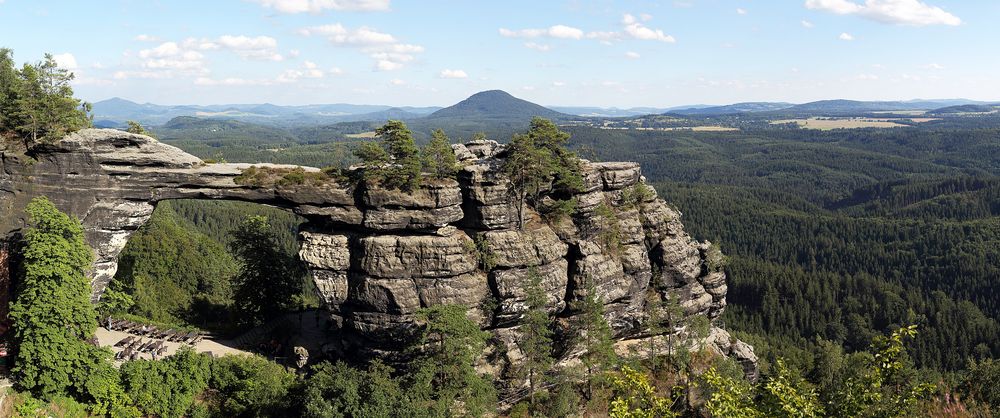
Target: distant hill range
<point x="116" y="111"/>
<point x="968" y="108"/>
<point x="823" y="107"/>
<point x="493" y="111"/>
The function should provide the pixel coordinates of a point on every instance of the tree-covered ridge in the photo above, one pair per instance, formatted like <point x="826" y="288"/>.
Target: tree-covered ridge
<point x="37" y="103"/>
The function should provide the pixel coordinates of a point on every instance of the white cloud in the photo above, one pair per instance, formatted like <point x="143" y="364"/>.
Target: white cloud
<point x="308" y="69"/>
<point x="807" y="24"/>
<point x="899" y="12"/>
<point x="741" y="11"/>
<point x="167" y="57"/>
<point x="637" y="30"/>
<point x="317" y="6"/>
<point x="537" y="46"/>
<point x="453" y="74"/>
<point x="632" y="55"/>
<point x="258" y="48"/>
<point x="867" y="77"/>
<point x="558" y="84"/>
<point x="67" y="61"/>
<point x="387" y="51"/>
<point x="397" y="82"/>
<point x="335" y="71"/>
<point x="932" y="66"/>
<point x="846" y="37"/>
<point x="146" y="38"/>
<point x="555" y="31"/>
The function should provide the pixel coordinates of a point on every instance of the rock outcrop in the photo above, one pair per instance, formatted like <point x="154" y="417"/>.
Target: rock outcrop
<point x="378" y="256"/>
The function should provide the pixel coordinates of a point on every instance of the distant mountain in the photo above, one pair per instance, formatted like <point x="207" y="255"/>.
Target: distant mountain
<point x="496" y="105"/>
<point x="746" y="107"/>
<point x="966" y="108"/>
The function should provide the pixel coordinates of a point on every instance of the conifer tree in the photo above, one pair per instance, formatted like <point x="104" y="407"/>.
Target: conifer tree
<point x="536" y="336"/>
<point x="439" y="158"/>
<point x="45" y="108"/>
<point x="398" y="142"/>
<point x="595" y="338"/>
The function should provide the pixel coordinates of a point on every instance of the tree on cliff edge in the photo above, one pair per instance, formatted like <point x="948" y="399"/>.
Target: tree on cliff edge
<point x="52" y="312"/>
<point x="538" y="161"/>
<point x="37" y="103"/>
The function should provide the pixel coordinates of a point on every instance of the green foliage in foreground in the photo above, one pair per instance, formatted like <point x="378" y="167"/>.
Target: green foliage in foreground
<point x="52" y="313"/>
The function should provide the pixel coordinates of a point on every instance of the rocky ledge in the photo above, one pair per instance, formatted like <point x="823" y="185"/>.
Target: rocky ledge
<point x="377" y="256"/>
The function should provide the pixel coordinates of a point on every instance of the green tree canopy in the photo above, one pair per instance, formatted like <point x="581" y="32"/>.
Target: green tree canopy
<point x="52" y="313"/>
<point x="538" y="161"/>
<point x="268" y="279"/>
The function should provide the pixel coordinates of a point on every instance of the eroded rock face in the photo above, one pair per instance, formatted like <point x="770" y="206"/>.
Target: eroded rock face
<point x="378" y="256"/>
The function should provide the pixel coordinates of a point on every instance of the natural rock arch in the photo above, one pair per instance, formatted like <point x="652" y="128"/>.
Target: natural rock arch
<point x="377" y="255"/>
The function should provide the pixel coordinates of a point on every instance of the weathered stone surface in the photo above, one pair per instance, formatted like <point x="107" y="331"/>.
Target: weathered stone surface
<point x="681" y="261"/>
<point x="511" y="287"/>
<point x="325" y="251"/>
<point x="407" y="256"/>
<point x="618" y="175"/>
<point x="534" y="246"/>
<point x="595" y="267"/>
<point x="398" y="219"/>
<point x="347" y="215"/>
<point x="431" y="195"/>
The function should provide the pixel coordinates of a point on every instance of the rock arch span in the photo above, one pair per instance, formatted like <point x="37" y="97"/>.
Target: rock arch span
<point x="379" y="255"/>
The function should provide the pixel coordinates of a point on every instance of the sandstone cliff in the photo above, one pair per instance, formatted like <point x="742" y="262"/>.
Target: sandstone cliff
<point x="378" y="255"/>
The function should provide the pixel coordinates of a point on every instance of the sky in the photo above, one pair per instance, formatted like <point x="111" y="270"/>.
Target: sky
<point x="553" y="52"/>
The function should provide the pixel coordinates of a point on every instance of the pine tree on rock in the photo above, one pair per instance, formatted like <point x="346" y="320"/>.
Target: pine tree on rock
<point x="536" y="335"/>
<point x="595" y="338"/>
<point x="397" y="139"/>
<point x="439" y="158"/>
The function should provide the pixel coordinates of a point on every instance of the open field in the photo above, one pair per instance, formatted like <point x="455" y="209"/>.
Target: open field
<point x="363" y="135"/>
<point x="825" y="124"/>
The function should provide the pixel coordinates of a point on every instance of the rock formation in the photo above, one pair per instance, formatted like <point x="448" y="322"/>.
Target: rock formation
<point x="377" y="256"/>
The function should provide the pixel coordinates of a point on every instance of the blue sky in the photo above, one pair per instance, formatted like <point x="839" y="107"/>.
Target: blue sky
<point x="554" y="52"/>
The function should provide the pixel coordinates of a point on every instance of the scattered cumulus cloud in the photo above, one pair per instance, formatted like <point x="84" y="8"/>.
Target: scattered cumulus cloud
<point x="632" y="28"/>
<point x="741" y="11"/>
<point x="388" y="52"/>
<point x="558" y="84"/>
<point x="397" y="82"/>
<point x="846" y="37"/>
<point x="308" y="69"/>
<point x="318" y="6"/>
<point x="867" y="77"/>
<point x="453" y="74"/>
<point x="632" y="55"/>
<point x="898" y="12"/>
<point x="807" y="24"/>
<point x="932" y="66"/>
<point x="637" y="30"/>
